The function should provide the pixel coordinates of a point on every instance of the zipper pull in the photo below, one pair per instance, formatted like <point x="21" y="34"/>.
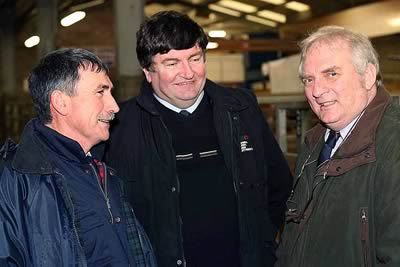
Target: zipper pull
<point x="109" y="209"/>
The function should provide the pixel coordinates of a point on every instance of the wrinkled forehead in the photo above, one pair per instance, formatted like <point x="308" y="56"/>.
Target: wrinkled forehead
<point x="333" y="44"/>
<point x="323" y="56"/>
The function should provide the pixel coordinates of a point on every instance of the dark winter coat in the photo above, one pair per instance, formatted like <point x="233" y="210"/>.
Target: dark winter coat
<point x="353" y="216"/>
<point x="38" y="226"/>
<point x="140" y="149"/>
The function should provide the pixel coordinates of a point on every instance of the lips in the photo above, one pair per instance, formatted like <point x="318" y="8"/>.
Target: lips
<point x="185" y="83"/>
<point x="104" y="120"/>
<point x="107" y="118"/>
<point x="327" y="103"/>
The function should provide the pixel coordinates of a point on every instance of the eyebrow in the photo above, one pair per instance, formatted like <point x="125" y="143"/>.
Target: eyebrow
<point x="104" y="87"/>
<point x="177" y="59"/>
<point x="329" y="69"/>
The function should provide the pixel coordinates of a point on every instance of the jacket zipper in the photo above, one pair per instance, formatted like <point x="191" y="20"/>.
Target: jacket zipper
<point x="105" y="191"/>
<point x="235" y="179"/>
<point x="364" y="237"/>
<point x="178" y="190"/>
<point x="233" y="124"/>
<point x="73" y="222"/>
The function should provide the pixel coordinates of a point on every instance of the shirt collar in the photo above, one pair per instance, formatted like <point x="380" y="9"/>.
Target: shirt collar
<point x="190" y="109"/>
<point x="346" y="130"/>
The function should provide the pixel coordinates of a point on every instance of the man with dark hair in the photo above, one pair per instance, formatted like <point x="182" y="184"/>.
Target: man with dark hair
<point x="344" y="209"/>
<point x="203" y="170"/>
<point x="58" y="205"/>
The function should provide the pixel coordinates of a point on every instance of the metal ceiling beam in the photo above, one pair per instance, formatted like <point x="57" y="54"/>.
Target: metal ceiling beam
<point x="259" y="45"/>
<point x="370" y="19"/>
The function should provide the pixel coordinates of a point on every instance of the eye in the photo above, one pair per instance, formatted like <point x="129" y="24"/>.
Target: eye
<point x="307" y="81"/>
<point x="100" y="92"/>
<point x="332" y="73"/>
<point x="196" y="59"/>
<point x="170" y="63"/>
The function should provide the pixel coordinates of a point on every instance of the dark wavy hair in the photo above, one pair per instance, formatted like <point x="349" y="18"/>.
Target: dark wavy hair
<point x="59" y="70"/>
<point x="164" y="31"/>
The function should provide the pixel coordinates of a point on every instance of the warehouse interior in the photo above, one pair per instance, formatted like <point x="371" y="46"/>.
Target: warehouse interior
<point x="253" y="44"/>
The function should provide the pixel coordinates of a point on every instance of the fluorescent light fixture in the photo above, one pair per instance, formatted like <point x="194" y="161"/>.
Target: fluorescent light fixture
<point x="73" y="18"/>
<point x="217" y="34"/>
<point x="224" y="10"/>
<point x="261" y="21"/>
<point x="87" y="5"/>
<point x="272" y="15"/>
<point x="394" y="22"/>
<point x="32" y="41"/>
<point x="212" y="45"/>
<point x="274" y="2"/>
<point x="238" y="6"/>
<point x="297" y="6"/>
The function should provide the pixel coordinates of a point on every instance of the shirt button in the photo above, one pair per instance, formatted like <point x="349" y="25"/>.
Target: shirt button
<point x="173" y="189"/>
<point x="117" y="219"/>
<point x="179" y="262"/>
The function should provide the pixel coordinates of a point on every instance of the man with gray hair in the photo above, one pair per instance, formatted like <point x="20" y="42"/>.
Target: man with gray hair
<point x="344" y="208"/>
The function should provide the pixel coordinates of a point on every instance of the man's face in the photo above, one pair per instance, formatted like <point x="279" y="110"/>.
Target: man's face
<point x="178" y="76"/>
<point x="91" y="109"/>
<point x="335" y="91"/>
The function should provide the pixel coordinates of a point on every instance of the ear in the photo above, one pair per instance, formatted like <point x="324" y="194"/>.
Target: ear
<point x="370" y="76"/>
<point x="147" y="74"/>
<point x="59" y="102"/>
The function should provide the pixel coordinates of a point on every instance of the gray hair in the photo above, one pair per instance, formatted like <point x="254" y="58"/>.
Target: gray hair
<point x="59" y="70"/>
<point x="363" y="52"/>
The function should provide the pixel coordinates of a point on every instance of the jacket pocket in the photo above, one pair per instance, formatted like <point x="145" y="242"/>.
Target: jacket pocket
<point x="364" y="236"/>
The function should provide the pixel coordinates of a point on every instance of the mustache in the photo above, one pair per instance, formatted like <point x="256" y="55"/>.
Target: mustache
<point x="106" y="117"/>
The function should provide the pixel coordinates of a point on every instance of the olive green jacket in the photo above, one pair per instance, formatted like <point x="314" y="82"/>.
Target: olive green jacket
<point x="347" y="212"/>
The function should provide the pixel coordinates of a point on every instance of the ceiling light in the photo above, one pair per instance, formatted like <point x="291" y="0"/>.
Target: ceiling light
<point x="394" y="22"/>
<point x="224" y="10"/>
<point x="261" y="21"/>
<point x="217" y="34"/>
<point x="32" y="41"/>
<point x="212" y="45"/>
<point x="297" y="6"/>
<point x="274" y="2"/>
<point x="238" y="6"/>
<point x="73" y="18"/>
<point x="272" y="15"/>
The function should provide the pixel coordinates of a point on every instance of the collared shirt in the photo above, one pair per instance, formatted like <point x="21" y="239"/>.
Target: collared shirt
<point x="343" y="133"/>
<point x="190" y="109"/>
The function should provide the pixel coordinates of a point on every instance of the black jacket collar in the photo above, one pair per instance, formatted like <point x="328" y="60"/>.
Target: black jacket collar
<point x="38" y="144"/>
<point x="218" y="97"/>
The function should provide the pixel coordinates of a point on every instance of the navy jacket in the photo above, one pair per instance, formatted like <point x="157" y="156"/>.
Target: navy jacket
<point x="38" y="226"/>
<point x="140" y="149"/>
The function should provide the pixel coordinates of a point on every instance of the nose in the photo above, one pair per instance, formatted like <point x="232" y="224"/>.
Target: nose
<point x="318" y="88"/>
<point x="187" y="71"/>
<point x="112" y="105"/>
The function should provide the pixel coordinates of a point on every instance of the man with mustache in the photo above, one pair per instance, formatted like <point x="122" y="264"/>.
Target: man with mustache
<point x="58" y="205"/>
<point x="344" y="209"/>
<point x="202" y="168"/>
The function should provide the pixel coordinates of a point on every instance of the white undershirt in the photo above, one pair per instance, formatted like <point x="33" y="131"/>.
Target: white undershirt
<point x="190" y="109"/>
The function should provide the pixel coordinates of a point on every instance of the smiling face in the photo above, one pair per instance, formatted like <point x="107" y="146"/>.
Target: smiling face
<point x="178" y="76"/>
<point x="85" y="116"/>
<point x="334" y="90"/>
